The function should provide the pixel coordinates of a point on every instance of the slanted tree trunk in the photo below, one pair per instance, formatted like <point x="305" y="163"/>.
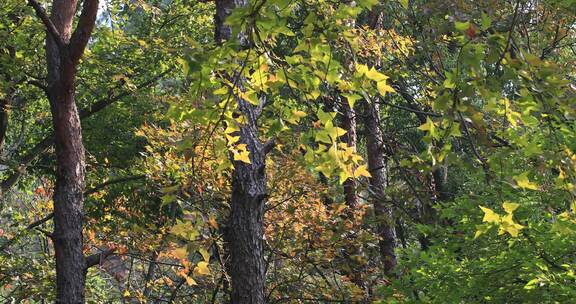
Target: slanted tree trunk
<point x="245" y="231"/>
<point x="377" y="167"/>
<point x="63" y="52"/>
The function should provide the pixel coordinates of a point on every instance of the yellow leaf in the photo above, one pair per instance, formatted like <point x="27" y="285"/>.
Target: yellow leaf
<point x="221" y="91"/>
<point x="251" y="97"/>
<point x="361" y="69"/>
<point x="202" y="268"/>
<point x="428" y="126"/>
<point x="372" y="74"/>
<point x="126" y="293"/>
<point x="190" y="281"/>
<point x="340" y="208"/>
<point x="510" y="207"/>
<point x="362" y="171"/>
<point x="344" y="175"/>
<point x="561" y="174"/>
<point x="384" y="88"/>
<point x="489" y="215"/>
<point x="352" y="98"/>
<point x="242" y="156"/>
<point x="181" y="253"/>
<point x="232" y="139"/>
<point x="299" y="113"/>
<point x="508" y="225"/>
<point x="523" y="182"/>
<point x="231" y="128"/>
<point x="205" y="254"/>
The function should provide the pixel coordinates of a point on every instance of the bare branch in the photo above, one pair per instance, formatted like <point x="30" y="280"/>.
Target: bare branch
<point x="98" y="258"/>
<point x="50" y="27"/>
<point x="112" y="182"/>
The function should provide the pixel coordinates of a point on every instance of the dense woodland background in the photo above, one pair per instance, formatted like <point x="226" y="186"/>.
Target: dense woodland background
<point x="287" y="151"/>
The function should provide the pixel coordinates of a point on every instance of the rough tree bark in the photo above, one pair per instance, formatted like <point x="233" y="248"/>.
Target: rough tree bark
<point x="245" y="231"/>
<point x="63" y="51"/>
<point x="377" y="167"/>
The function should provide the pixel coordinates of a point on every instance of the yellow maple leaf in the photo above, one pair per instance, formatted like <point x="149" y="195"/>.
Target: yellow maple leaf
<point x="362" y="171"/>
<point x="202" y="268"/>
<point x="242" y="156"/>
<point x="205" y="254"/>
<point x="372" y="74"/>
<point x="508" y="225"/>
<point x="489" y="215"/>
<point x="344" y="175"/>
<point x="384" y="88"/>
<point x="510" y="207"/>
<point x="523" y="182"/>
<point x="180" y="253"/>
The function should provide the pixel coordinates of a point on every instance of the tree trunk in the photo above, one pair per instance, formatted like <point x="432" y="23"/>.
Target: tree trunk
<point x="63" y="52"/>
<point x="349" y="124"/>
<point x="245" y="231"/>
<point x="377" y="168"/>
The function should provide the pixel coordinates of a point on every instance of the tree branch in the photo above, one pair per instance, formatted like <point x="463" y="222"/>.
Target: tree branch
<point x="50" y="27"/>
<point x="269" y="145"/>
<point x="47" y="142"/>
<point x="84" y="29"/>
<point x="29" y="227"/>
<point x="51" y="215"/>
<point x="112" y="182"/>
<point x="98" y="258"/>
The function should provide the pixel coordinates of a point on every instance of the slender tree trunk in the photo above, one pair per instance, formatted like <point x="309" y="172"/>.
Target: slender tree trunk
<point x="377" y="168"/>
<point x="349" y="124"/>
<point x="63" y="52"/>
<point x="245" y="231"/>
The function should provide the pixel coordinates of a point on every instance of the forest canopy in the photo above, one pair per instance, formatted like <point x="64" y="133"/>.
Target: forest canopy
<point x="287" y="151"/>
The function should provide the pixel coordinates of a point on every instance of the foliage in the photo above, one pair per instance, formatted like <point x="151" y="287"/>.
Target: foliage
<point x="477" y="105"/>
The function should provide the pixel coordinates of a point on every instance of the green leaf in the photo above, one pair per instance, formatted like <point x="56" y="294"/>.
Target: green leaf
<point x="462" y="26"/>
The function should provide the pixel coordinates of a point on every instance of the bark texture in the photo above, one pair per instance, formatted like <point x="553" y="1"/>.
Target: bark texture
<point x="377" y="167"/>
<point x="63" y="52"/>
<point x="245" y="231"/>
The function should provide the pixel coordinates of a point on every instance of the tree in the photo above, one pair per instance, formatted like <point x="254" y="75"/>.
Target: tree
<point x="64" y="48"/>
<point x="245" y="230"/>
<point x="465" y="117"/>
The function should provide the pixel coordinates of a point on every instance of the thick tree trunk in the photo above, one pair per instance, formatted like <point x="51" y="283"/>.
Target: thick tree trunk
<point x="63" y="52"/>
<point x="245" y="231"/>
<point x="68" y="194"/>
<point x="377" y="168"/>
<point x="349" y="124"/>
